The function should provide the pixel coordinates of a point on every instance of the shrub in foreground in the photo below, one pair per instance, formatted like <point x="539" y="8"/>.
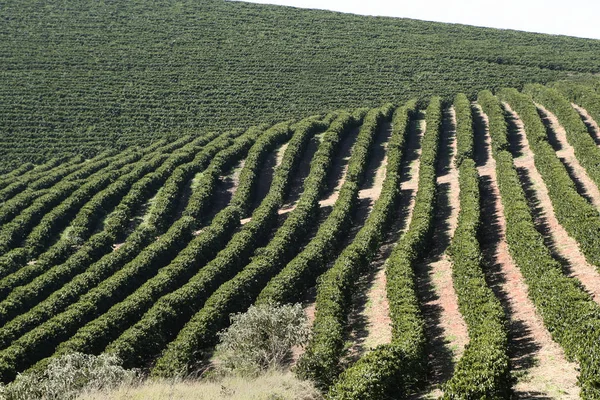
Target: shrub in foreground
<point x="67" y="376"/>
<point x="262" y="338"/>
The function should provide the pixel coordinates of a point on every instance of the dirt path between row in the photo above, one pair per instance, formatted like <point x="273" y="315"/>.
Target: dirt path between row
<point x="376" y="309"/>
<point x="557" y="137"/>
<point x="264" y="178"/>
<point x="558" y="240"/>
<point x="445" y="326"/>
<point x="302" y="171"/>
<point x="335" y="179"/>
<point x="538" y="363"/>
<point x="337" y="176"/>
<point x="369" y="319"/>
<point x="368" y="194"/>
<point x="265" y="175"/>
<point x="592" y="126"/>
<point x="225" y="188"/>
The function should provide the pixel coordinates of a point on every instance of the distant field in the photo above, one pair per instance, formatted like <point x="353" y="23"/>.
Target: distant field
<point x="78" y="77"/>
<point x="440" y="249"/>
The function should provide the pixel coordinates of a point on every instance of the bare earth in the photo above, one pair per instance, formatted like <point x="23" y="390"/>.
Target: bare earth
<point x="265" y="177"/>
<point x="310" y="308"/>
<point x="369" y="318"/>
<point x="539" y="364"/>
<point x="565" y="246"/>
<point x="297" y="185"/>
<point x="592" y="125"/>
<point x="224" y="191"/>
<point x="445" y="325"/>
<point x="566" y="153"/>
<point x="376" y="311"/>
<point x="266" y="173"/>
<point x="336" y="179"/>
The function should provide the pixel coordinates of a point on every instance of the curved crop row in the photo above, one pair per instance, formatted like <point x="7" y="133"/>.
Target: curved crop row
<point x="127" y="192"/>
<point x="13" y="231"/>
<point x="302" y="271"/>
<point x="582" y="95"/>
<point x="168" y="197"/>
<point x="394" y="369"/>
<point x="575" y="214"/>
<point x="42" y="181"/>
<point x="389" y="369"/>
<point x="483" y="370"/>
<point x="335" y="285"/>
<point x="80" y="229"/>
<point x="56" y="219"/>
<point x="146" y="338"/>
<point x="99" y="333"/>
<point x="9" y="177"/>
<point x="251" y="145"/>
<point x="321" y="359"/>
<point x="62" y="196"/>
<point x="32" y="346"/>
<point x="95" y="336"/>
<point x="57" y="169"/>
<point x="31" y="175"/>
<point x="109" y="263"/>
<point x="569" y="313"/>
<point x="237" y="252"/>
<point x="14" y="206"/>
<point x="586" y="151"/>
<point x="239" y="292"/>
<point x="464" y="129"/>
<point x="76" y="234"/>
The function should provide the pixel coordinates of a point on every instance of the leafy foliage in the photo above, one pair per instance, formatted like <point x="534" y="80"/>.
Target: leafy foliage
<point x="320" y="362"/>
<point x="579" y="218"/>
<point x="568" y="312"/>
<point x="122" y="253"/>
<point x="393" y="369"/>
<point x="101" y="79"/>
<point x="262" y="338"/>
<point x="68" y="376"/>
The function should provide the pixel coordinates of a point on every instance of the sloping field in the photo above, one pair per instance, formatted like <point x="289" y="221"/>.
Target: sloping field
<point x="471" y="228"/>
<point x="81" y="76"/>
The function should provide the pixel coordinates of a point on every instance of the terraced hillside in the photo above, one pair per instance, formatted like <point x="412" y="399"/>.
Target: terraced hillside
<point x="439" y="248"/>
<point x="81" y="76"/>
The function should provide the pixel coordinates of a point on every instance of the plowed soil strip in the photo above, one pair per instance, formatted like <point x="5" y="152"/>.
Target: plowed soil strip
<point x="224" y="191"/>
<point x="376" y="309"/>
<point x="540" y="365"/>
<point x="265" y="178"/>
<point x="446" y="329"/>
<point x="592" y="125"/>
<point x="297" y="184"/>
<point x="335" y="180"/>
<point x="564" y="246"/>
<point x="369" y="319"/>
<point x="565" y="152"/>
<point x="337" y="177"/>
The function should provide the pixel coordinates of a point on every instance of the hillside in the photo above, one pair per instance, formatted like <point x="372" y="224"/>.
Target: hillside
<point x="437" y="249"/>
<point x="82" y="76"/>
